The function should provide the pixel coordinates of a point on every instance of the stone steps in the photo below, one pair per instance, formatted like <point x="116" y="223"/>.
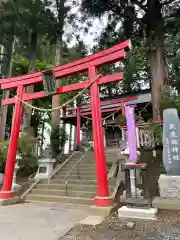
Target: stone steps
<point x="60" y="199"/>
<point x="76" y="177"/>
<point x="70" y="186"/>
<point x="67" y="169"/>
<point x="71" y="190"/>
<point x="65" y="192"/>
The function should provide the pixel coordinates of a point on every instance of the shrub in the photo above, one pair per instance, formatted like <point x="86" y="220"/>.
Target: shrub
<point x="3" y="153"/>
<point x="28" y="165"/>
<point x="29" y="162"/>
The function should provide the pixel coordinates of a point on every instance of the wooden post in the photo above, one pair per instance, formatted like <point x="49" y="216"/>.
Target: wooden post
<point x="13" y="146"/>
<point x="103" y="199"/>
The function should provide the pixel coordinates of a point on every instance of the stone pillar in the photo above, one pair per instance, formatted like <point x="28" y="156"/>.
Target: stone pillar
<point x="16" y="187"/>
<point x="70" y="138"/>
<point x="66" y="146"/>
<point x="169" y="183"/>
<point x="137" y="137"/>
<point x="104" y="133"/>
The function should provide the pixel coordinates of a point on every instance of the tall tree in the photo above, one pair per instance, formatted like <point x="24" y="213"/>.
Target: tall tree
<point x="66" y="26"/>
<point x="61" y="14"/>
<point x="38" y="20"/>
<point x="8" y="30"/>
<point x="142" y="19"/>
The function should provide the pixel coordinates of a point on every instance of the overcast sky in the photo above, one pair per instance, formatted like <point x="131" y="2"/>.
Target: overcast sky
<point x="93" y="32"/>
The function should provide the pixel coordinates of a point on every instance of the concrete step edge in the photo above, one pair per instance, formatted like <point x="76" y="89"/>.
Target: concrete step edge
<point x="75" y="181"/>
<point x="62" y="197"/>
<point x="56" y="203"/>
<point x="61" y="190"/>
<point x="91" y="184"/>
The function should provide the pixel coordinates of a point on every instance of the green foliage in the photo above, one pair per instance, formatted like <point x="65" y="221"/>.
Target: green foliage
<point x="28" y="164"/>
<point x="58" y="140"/>
<point x="21" y="65"/>
<point x="157" y="131"/>
<point x="3" y="152"/>
<point x="169" y="98"/>
<point x="121" y="119"/>
<point x="25" y="144"/>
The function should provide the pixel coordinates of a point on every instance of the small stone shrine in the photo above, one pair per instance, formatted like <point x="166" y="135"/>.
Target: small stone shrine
<point x="169" y="183"/>
<point x="45" y="164"/>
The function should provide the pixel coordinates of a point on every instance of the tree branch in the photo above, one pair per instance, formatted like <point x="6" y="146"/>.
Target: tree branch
<point x="140" y="4"/>
<point x="167" y="2"/>
<point x="172" y="16"/>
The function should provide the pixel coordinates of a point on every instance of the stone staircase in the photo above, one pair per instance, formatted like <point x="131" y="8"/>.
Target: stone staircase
<point x="71" y="184"/>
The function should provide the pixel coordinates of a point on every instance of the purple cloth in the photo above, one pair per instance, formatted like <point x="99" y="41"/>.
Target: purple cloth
<point x="131" y="133"/>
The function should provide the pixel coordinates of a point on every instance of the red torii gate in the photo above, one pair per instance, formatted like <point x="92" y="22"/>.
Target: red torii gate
<point x="90" y="64"/>
<point x="78" y="114"/>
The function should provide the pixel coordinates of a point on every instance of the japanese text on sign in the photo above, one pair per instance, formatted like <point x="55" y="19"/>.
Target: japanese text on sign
<point x="173" y="147"/>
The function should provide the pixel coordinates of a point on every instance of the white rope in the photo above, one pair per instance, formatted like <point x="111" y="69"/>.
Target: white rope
<point x="63" y="105"/>
<point x="103" y="119"/>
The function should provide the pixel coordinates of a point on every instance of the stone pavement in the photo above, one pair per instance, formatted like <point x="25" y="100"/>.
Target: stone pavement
<point x="38" y="222"/>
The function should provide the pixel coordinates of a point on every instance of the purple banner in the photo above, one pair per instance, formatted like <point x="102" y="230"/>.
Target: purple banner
<point x="131" y="133"/>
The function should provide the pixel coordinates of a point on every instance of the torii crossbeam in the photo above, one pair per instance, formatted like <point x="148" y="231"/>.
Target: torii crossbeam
<point x="89" y="64"/>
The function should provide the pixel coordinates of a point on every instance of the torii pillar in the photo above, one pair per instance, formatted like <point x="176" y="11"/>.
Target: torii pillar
<point x="103" y="199"/>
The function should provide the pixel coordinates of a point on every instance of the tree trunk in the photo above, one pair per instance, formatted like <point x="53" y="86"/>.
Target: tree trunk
<point x="157" y="55"/>
<point x="32" y="68"/>
<point x="58" y="57"/>
<point x="4" y="109"/>
<point x="56" y="98"/>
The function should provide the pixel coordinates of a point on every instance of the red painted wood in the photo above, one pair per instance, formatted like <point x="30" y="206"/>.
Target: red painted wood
<point x="63" y="89"/>
<point x="102" y="110"/>
<point x="66" y="88"/>
<point x="114" y="101"/>
<point x="8" y="101"/>
<point x="111" y="78"/>
<point x="101" y="171"/>
<point x="113" y="57"/>
<point x="20" y="78"/>
<point x="124" y="45"/>
<point x="117" y="53"/>
<point x="13" y="145"/>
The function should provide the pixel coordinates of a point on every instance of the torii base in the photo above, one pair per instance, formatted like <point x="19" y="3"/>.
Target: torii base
<point x="103" y="201"/>
<point x="6" y="195"/>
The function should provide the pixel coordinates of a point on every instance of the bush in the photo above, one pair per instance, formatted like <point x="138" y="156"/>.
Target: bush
<point x="29" y="162"/>
<point x="3" y="153"/>
<point x="28" y="165"/>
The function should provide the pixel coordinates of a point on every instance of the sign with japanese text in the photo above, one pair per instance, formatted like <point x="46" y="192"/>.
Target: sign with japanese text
<point x="171" y="141"/>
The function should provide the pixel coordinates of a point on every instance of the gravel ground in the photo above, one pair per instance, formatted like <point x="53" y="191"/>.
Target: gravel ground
<point x="167" y="227"/>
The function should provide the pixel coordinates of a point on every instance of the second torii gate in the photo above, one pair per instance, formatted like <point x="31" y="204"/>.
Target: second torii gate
<point x="89" y="64"/>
